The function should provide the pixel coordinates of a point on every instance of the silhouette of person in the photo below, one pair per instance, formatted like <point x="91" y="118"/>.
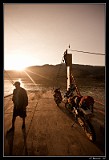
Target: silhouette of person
<point x="20" y="100"/>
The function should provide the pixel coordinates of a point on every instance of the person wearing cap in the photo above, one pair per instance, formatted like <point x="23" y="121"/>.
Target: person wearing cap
<point x="20" y="100"/>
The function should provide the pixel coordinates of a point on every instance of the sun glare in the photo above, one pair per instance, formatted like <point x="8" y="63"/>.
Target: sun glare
<point x="18" y="65"/>
<point x="17" y="62"/>
<point x="19" y="68"/>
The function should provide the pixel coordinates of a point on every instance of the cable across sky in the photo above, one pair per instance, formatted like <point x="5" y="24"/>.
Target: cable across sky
<point x="87" y="52"/>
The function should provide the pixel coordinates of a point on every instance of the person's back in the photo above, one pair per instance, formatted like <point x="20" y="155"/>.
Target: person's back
<point x="20" y="97"/>
<point x="20" y="100"/>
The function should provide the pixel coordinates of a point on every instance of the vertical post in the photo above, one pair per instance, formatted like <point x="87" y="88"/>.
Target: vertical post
<point x="68" y="61"/>
<point x="68" y="77"/>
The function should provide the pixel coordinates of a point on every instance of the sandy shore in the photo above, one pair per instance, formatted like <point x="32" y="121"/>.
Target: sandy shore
<point x="48" y="130"/>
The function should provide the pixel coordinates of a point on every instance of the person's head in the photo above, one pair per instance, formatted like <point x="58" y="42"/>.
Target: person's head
<point x="17" y="84"/>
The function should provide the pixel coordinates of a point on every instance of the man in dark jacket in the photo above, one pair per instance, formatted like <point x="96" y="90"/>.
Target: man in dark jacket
<point x="20" y="100"/>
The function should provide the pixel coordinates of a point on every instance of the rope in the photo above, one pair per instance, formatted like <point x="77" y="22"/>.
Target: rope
<point x="87" y="52"/>
<point x="77" y="90"/>
<point x="8" y="95"/>
<point x="99" y="102"/>
<point x="9" y="78"/>
<point x="99" y="110"/>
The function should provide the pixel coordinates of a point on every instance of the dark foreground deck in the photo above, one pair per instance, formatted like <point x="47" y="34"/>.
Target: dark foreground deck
<point x="48" y="131"/>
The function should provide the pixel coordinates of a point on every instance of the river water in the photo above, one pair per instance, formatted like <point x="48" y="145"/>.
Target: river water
<point x="25" y="83"/>
<point x="96" y="92"/>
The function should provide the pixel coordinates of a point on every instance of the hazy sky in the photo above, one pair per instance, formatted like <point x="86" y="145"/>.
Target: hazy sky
<point x="38" y="34"/>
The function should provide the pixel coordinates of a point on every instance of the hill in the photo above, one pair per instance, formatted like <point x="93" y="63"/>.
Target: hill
<point x="53" y="74"/>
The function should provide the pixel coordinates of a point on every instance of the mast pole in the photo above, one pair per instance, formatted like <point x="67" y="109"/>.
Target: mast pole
<point x="68" y="61"/>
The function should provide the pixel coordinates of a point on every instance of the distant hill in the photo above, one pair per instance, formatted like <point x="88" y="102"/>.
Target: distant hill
<point x="57" y="74"/>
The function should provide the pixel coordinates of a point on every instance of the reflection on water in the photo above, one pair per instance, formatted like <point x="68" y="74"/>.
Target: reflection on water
<point x="8" y="87"/>
<point x="25" y="83"/>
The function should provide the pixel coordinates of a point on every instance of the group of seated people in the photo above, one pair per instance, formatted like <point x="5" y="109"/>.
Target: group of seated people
<point x="75" y="100"/>
<point x="78" y="100"/>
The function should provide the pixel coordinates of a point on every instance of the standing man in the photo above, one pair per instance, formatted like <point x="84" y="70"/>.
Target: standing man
<point x="20" y="100"/>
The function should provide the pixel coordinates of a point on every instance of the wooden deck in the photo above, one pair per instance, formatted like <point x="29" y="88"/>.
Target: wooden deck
<point x="48" y="131"/>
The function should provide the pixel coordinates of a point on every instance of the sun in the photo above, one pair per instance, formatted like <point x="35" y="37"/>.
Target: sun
<point x="19" y="67"/>
<point x="17" y="62"/>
